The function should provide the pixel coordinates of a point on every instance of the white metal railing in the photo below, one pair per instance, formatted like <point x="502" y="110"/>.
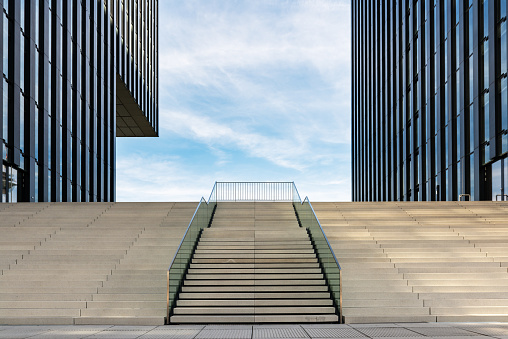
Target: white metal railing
<point x="252" y="191"/>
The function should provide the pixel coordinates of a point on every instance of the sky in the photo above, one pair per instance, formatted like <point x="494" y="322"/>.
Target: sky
<point x="248" y="91"/>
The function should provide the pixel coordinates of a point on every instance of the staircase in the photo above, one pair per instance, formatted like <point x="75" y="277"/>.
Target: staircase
<point x="254" y="265"/>
<point x="420" y="261"/>
<point x="87" y="263"/>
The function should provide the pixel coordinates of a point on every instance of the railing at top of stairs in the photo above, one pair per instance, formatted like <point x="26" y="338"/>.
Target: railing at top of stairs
<point x="244" y="192"/>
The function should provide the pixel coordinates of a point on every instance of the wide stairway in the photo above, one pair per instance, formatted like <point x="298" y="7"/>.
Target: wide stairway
<point x="87" y="263"/>
<point x="254" y="265"/>
<point x="420" y="261"/>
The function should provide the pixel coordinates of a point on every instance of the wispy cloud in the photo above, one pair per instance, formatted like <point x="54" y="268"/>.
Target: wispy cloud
<point x="262" y="86"/>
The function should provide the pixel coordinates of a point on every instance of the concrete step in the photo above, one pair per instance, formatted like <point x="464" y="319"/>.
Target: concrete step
<point x="253" y="302"/>
<point x="256" y="265"/>
<point x="257" y="276"/>
<point x="124" y="312"/>
<point x="254" y="294"/>
<point x="237" y="283"/>
<point x="120" y="320"/>
<point x="465" y="302"/>
<point x="253" y="310"/>
<point x="207" y="319"/>
<point x="401" y="318"/>
<point x="470" y="310"/>
<point x="385" y="311"/>
<point x="258" y="288"/>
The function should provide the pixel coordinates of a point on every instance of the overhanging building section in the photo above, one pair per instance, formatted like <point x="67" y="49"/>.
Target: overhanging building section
<point x="429" y="100"/>
<point x="137" y="68"/>
<point x="75" y="76"/>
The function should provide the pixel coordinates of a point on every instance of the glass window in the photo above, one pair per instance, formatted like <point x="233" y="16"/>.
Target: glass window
<point x="485" y="58"/>
<point x="6" y="46"/>
<point x="496" y="181"/>
<point x="36" y="77"/>
<point x="485" y="151"/>
<point x="471" y="176"/>
<point x="22" y="14"/>
<point x="36" y="38"/>
<point x="21" y="122"/>
<point x="457" y="93"/>
<point x="436" y="78"/>
<point x="457" y="11"/>
<point x="471" y="129"/>
<point x="459" y="179"/>
<point x="457" y="47"/>
<point x="504" y="109"/>
<point x="5" y="115"/>
<point x="471" y="31"/>
<point x="471" y="79"/>
<point x="504" y="143"/>
<point x="447" y="113"/>
<point x="485" y="115"/>
<point x="436" y="20"/>
<point x="485" y="11"/>
<point x="446" y="64"/>
<point x="3" y="183"/>
<point x="502" y="45"/>
<point x="36" y="134"/>
<point x="459" y="134"/>
<point x="48" y="159"/>
<point x="36" y="182"/>
<point x="21" y="61"/>
<point x="437" y="121"/>
<point x="446" y="134"/>
<point x="9" y="184"/>
<point x="445" y="18"/>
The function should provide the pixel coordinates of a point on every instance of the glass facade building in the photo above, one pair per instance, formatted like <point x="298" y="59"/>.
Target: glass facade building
<point x="76" y="74"/>
<point x="429" y="100"/>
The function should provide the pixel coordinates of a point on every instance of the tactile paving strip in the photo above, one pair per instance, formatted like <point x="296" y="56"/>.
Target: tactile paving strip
<point x="334" y="333"/>
<point x="22" y="332"/>
<point x="171" y="333"/>
<point x="488" y="330"/>
<point x="291" y="332"/>
<point x="224" y="333"/>
<point x="129" y="334"/>
<point x="388" y="332"/>
<point x="442" y="331"/>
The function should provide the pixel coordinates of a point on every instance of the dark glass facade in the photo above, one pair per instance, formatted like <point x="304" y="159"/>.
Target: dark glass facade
<point x="429" y="100"/>
<point x="76" y="74"/>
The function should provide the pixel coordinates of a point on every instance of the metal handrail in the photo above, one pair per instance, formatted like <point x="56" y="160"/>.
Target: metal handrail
<point x="324" y="234"/>
<point x="186" y="261"/>
<point x="327" y="248"/>
<point x="185" y="234"/>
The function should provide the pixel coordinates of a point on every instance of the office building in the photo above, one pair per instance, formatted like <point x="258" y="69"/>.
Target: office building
<point x="76" y="74"/>
<point x="429" y="100"/>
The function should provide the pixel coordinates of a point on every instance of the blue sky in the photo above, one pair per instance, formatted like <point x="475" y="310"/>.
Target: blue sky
<point x="249" y="91"/>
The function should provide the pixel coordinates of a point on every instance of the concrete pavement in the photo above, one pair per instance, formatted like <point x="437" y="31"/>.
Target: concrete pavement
<point x="385" y="331"/>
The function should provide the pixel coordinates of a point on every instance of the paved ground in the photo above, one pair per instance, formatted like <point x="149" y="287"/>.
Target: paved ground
<point x="385" y="331"/>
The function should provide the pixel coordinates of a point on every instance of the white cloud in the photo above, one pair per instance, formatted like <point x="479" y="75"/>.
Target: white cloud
<point x="159" y="179"/>
<point x="281" y="152"/>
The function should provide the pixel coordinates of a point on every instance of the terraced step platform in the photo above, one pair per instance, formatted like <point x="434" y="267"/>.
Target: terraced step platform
<point x="420" y="261"/>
